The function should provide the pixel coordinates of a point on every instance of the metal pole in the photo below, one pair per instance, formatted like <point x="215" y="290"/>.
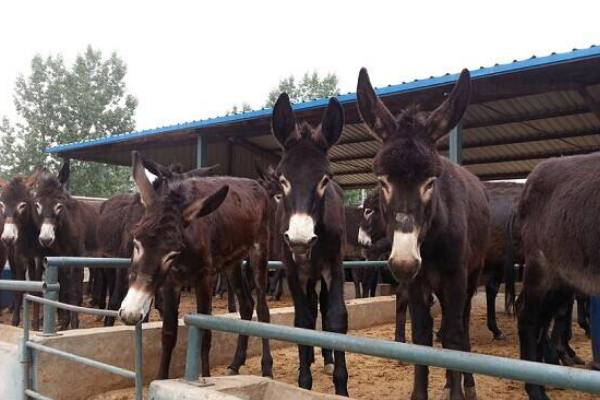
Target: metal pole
<point x="50" y="311"/>
<point x="455" y="141"/>
<point x="88" y="262"/>
<point x="139" y="381"/>
<point x="595" y="326"/>
<point x="192" y="361"/>
<point x="25" y="349"/>
<point x="500" y="367"/>
<point x="201" y="152"/>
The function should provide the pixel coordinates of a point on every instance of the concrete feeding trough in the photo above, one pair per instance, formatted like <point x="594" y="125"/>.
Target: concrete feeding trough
<point x="232" y="388"/>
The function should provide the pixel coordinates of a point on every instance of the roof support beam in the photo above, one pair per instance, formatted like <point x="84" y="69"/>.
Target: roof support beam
<point x="541" y="137"/>
<point x="201" y="152"/>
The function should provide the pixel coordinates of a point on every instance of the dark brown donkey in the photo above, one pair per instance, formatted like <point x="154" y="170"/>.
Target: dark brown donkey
<point x="118" y="218"/>
<point x="20" y="236"/>
<point x="192" y="229"/>
<point x="560" y="231"/>
<point x="437" y="217"/>
<point x="67" y="228"/>
<point x="311" y="219"/>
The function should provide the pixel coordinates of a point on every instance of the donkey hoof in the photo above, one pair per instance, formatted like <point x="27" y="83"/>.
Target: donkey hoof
<point x="499" y="336"/>
<point x="470" y="393"/>
<point x="328" y="369"/>
<point x="446" y="394"/>
<point x="231" y="372"/>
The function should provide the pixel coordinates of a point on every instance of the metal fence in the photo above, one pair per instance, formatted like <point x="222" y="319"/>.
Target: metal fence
<point x="500" y="367"/>
<point x="50" y="288"/>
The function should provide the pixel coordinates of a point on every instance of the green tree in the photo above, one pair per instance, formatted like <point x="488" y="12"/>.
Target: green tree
<point x="60" y="104"/>
<point x="245" y="107"/>
<point x="311" y="86"/>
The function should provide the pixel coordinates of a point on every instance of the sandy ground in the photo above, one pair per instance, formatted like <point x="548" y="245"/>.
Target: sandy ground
<point x="379" y="379"/>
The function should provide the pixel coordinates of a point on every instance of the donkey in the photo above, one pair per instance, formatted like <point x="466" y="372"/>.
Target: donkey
<point x="311" y="220"/>
<point x="191" y="230"/>
<point x="437" y="218"/>
<point x="67" y="228"/>
<point x="560" y="240"/>
<point x="365" y="279"/>
<point x="118" y="217"/>
<point x="20" y="236"/>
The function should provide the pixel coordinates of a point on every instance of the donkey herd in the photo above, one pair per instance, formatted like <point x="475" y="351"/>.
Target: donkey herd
<point x="442" y="231"/>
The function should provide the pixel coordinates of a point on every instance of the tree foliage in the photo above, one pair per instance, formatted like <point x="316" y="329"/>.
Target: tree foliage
<point x="63" y="104"/>
<point x="310" y="87"/>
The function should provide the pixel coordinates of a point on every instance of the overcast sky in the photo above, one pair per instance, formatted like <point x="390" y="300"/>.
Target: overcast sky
<point x="192" y="60"/>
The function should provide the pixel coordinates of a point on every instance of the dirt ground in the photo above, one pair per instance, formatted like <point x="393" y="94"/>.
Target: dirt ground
<point x="377" y="379"/>
<point x="187" y="306"/>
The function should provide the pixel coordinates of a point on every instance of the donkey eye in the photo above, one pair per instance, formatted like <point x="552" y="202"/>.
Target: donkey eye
<point x="57" y="208"/>
<point x="38" y="208"/>
<point x="429" y="184"/>
<point x="1" y="207"/>
<point x="278" y="197"/>
<point x="170" y="257"/>
<point x="21" y="207"/>
<point x="368" y="212"/>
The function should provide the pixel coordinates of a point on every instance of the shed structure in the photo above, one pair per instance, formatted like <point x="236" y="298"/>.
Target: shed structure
<point x="520" y="113"/>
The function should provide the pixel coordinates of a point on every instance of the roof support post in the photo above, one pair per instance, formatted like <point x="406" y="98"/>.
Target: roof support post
<point x="67" y="161"/>
<point x="455" y="150"/>
<point x="201" y="152"/>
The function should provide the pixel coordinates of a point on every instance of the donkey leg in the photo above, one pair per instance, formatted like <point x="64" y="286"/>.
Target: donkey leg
<point x="401" y="308"/>
<point x="20" y="266"/>
<point x="469" y="381"/>
<point x="171" y="297"/>
<point x="37" y="276"/>
<point x="328" y="362"/>
<point x="231" y="306"/>
<point x="583" y="313"/>
<point x="246" y="310"/>
<point x="279" y="286"/>
<point x="303" y="318"/>
<point x="121" y="283"/>
<point x="259" y="262"/>
<point x="337" y="317"/>
<point x="76" y="294"/>
<point x="491" y="291"/>
<point x="530" y="305"/>
<point x="204" y="289"/>
<point x="422" y="332"/>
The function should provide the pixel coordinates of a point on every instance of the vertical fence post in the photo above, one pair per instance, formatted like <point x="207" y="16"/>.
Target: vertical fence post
<point x="595" y="325"/>
<point x="49" y="311"/>
<point x="139" y="381"/>
<point x="192" y="361"/>
<point x="25" y="349"/>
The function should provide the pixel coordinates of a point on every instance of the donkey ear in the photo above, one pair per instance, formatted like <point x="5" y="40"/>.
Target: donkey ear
<point x="202" y="172"/>
<point x="284" y="120"/>
<point x="333" y="122"/>
<point x="155" y="168"/>
<point x="64" y="174"/>
<point x="205" y="205"/>
<point x="373" y="112"/>
<point x="266" y="174"/>
<point x="450" y="112"/>
<point x="147" y="192"/>
<point x="3" y="183"/>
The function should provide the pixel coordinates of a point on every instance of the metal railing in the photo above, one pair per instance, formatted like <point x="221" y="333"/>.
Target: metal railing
<point x="500" y="367"/>
<point x="29" y="345"/>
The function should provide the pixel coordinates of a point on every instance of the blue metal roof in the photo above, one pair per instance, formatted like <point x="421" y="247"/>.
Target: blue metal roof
<point x="498" y="69"/>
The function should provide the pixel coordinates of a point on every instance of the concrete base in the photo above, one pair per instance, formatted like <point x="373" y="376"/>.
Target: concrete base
<point x="232" y="388"/>
<point x="61" y="379"/>
<point x="11" y="370"/>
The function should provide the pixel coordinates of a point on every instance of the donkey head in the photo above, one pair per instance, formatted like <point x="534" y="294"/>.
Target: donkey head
<point x="407" y="166"/>
<point x="16" y="206"/>
<point x="268" y="180"/>
<point x="51" y="199"/>
<point x="159" y="237"/>
<point x="304" y="171"/>
<point x="372" y="226"/>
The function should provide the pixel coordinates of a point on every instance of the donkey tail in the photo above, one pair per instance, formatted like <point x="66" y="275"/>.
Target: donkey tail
<point x="509" y="267"/>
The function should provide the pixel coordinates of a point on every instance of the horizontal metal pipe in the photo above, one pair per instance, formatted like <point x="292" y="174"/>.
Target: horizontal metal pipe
<point x="36" y="395"/>
<point x="87" y="361"/>
<point x="87" y="262"/>
<point x="69" y="307"/>
<point x="28" y="286"/>
<point x="524" y="371"/>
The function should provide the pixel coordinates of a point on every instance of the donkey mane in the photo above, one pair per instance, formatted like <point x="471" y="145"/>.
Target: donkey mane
<point x="412" y="117"/>
<point x="50" y="186"/>
<point x="16" y="188"/>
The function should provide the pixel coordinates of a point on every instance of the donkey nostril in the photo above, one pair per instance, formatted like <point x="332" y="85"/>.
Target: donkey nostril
<point x="286" y="237"/>
<point x="312" y="241"/>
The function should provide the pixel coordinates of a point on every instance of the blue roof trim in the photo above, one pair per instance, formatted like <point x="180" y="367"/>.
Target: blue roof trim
<point x="498" y="69"/>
